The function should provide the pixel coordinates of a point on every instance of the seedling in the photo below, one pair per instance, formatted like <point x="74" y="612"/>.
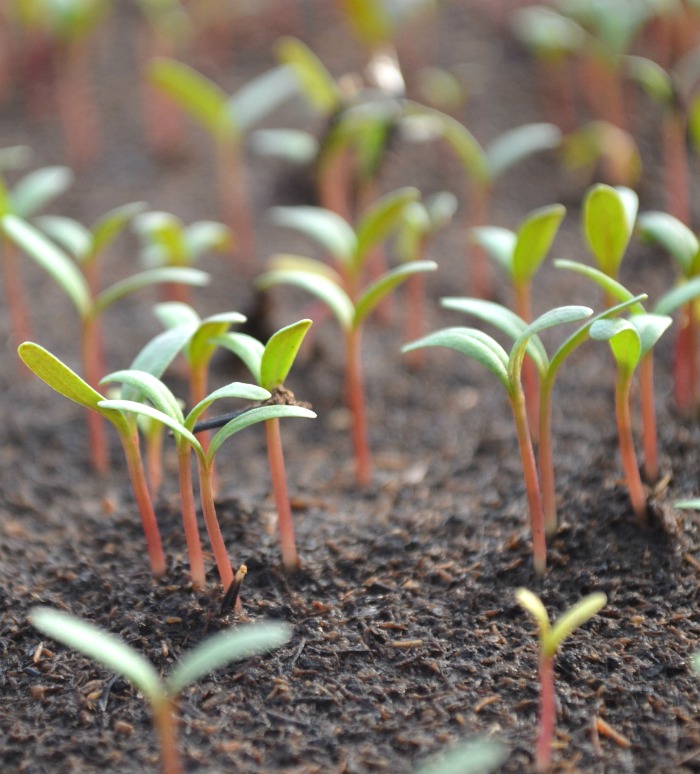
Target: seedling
<point x="114" y="654"/>
<point x="548" y="369"/>
<point x="550" y="638"/>
<point x="67" y="383"/>
<point x="166" y="409"/>
<point x="351" y="311"/>
<point x="507" y="368"/>
<point x="166" y="241"/>
<point x="270" y="364"/>
<point x="474" y="757"/>
<point x="629" y="342"/>
<point x="520" y="254"/>
<point x="25" y="199"/>
<point x="89" y="303"/>
<point x="227" y="120"/>
<point x="483" y="167"/>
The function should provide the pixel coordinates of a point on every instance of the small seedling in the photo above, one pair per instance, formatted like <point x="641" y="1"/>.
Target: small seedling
<point x="351" y="312"/>
<point x="507" y="368"/>
<point x="270" y="364"/>
<point x="600" y="148"/>
<point x="114" y="654"/>
<point x="550" y="638"/>
<point x="227" y="120"/>
<point x="89" y="303"/>
<point x="166" y="409"/>
<point x="629" y="342"/>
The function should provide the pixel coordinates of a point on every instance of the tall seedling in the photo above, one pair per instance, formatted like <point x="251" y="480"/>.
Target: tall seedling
<point x="270" y="364"/>
<point x="508" y="368"/>
<point x="227" y="120"/>
<point x="89" y="303"/>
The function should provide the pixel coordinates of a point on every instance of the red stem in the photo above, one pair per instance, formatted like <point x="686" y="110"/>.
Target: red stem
<point x="478" y="266"/>
<point x="675" y="165"/>
<point x="649" y="434"/>
<point x="14" y="292"/>
<point x="223" y="563"/>
<point x="548" y="714"/>
<point x="546" y="461"/>
<point x="523" y="307"/>
<point x="557" y="91"/>
<point x="279" y="488"/>
<point x="235" y="202"/>
<point x="130" y="443"/>
<point x="532" y="487"/>
<point x="626" y="439"/>
<point x="356" y="402"/>
<point x="154" y="464"/>
<point x="165" y="719"/>
<point x="189" y="516"/>
<point x="334" y="184"/>
<point x="681" y="375"/>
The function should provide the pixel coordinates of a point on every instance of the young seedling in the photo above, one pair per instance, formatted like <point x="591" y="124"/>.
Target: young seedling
<point x="270" y="364"/>
<point x="629" y="342"/>
<point x="513" y="326"/>
<point x="483" y="167"/>
<point x="508" y="368"/>
<point x="25" y="199"/>
<point x="683" y="246"/>
<point x="227" y="120"/>
<point x="67" y="383"/>
<point x="114" y="654"/>
<point x="550" y="638"/>
<point x="89" y="303"/>
<point x="166" y="241"/>
<point x="520" y="254"/>
<point x="166" y="409"/>
<point x="351" y="312"/>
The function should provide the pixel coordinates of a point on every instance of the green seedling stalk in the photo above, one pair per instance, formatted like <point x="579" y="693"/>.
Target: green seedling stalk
<point x="117" y="656"/>
<point x="550" y="638"/>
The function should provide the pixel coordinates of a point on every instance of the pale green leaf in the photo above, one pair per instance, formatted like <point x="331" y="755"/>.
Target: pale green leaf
<point x="106" y="649"/>
<point x="693" y="505"/>
<point x="441" y="207"/>
<point x="206" y="235"/>
<point x="245" y="347"/>
<point x="608" y="220"/>
<point x="624" y="341"/>
<point x="547" y="32"/>
<point x="52" y="259"/>
<point x="611" y="286"/>
<point x="293" y="145"/>
<point x="535" y="236"/>
<point x="499" y="243"/>
<point x="150" y="387"/>
<point x="674" y="236"/>
<point x="317" y="84"/>
<point x="476" y="757"/>
<point x="532" y="604"/>
<point x="108" y="227"/>
<point x="260" y="96"/>
<point x="287" y="261"/>
<point x="517" y="144"/>
<point x="655" y="81"/>
<point x="172" y="313"/>
<point x="201" y="346"/>
<point x="325" y="227"/>
<point x="164" y="274"/>
<point x="383" y="217"/>
<point x="650" y="328"/>
<point x="233" y="390"/>
<point x="144" y="410"/>
<point x="68" y="233"/>
<point x="280" y="352"/>
<point x="35" y="190"/>
<point x="575" y="616"/>
<point x="677" y="297"/>
<point x="225" y="647"/>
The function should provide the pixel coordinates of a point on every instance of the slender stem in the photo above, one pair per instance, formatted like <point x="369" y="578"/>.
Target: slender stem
<point x="165" y="719"/>
<point x="477" y="213"/>
<point x="223" y="563"/>
<point x="557" y="91"/>
<point x="14" y="292"/>
<point x="532" y="487"/>
<point x="189" y="516"/>
<point x="681" y="358"/>
<point x="649" y="434"/>
<point x="93" y="371"/>
<point x="154" y="456"/>
<point x="673" y="129"/>
<point x="334" y="183"/>
<point x="523" y="307"/>
<point x="233" y="192"/>
<point x="414" y="317"/>
<point x="279" y="487"/>
<point x="545" y="458"/>
<point x="130" y="442"/>
<point x="626" y="439"/>
<point x="198" y="391"/>
<point x="692" y="357"/>
<point x="356" y="401"/>
<point x="548" y="714"/>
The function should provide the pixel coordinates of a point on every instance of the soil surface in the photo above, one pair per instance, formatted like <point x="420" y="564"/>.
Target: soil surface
<point x="407" y="637"/>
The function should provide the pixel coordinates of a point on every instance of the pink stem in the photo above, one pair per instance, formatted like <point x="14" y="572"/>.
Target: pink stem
<point x="165" y="719"/>
<point x="478" y="266"/>
<point x="14" y="292"/>
<point x="626" y="439"/>
<point x="189" y="516"/>
<point x="223" y="563"/>
<point x="548" y="714"/>
<point x="649" y="434"/>
<point x="546" y="462"/>
<point x="235" y="202"/>
<point x="675" y="165"/>
<point x="356" y="401"/>
<point x="279" y="487"/>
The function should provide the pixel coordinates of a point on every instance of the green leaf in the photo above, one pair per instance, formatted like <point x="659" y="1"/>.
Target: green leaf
<point x="608" y="284"/>
<point x="14" y="157"/>
<point x="534" y="239"/>
<point x="287" y="262"/>
<point x="441" y="207"/>
<point x="144" y="410"/>
<point x="201" y="346"/>
<point x="35" y="190"/>
<point x="52" y="259"/>
<point x="475" y="757"/>
<point x="260" y="96"/>
<point x="693" y="505"/>
<point x="470" y="342"/>
<point x="59" y="377"/>
<point x="202" y="99"/>
<point x="575" y="616"/>
<point x="412" y="232"/>
<point x="165" y="233"/>
<point x="175" y="274"/>
<point x="381" y="287"/>
<point x="517" y="144"/>
<point x="383" y="217"/>
<point x="608" y="220"/>
<point x="108" y="227"/>
<point x="324" y="227"/>
<point x="293" y="145"/>
<point x="318" y="285"/>
<point x="245" y="347"/>
<point x="650" y="328"/>
<point x="624" y="341"/>
<point x="255" y="415"/>
<point x="280" y="352"/>
<point x="547" y="32"/>
<point x="655" y="81"/>
<point x="371" y="21"/>
<point x="678" y="297"/>
<point x="674" y="236"/>
<point x="151" y="388"/>
<point x="498" y="242"/>
<point x="108" y="650"/>
<point x="68" y="233"/>
<point x="172" y="313"/>
<point x="532" y="604"/>
<point x="232" y="390"/>
<point x="316" y="82"/>
<point x="225" y="647"/>
<point x="205" y="235"/>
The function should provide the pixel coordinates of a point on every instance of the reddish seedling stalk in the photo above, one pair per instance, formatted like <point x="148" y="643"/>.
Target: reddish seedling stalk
<point x="675" y="164"/>
<point x="627" y="452"/>
<point x="275" y="453"/>
<point x="14" y="292"/>
<point x="649" y="432"/>
<point x="206" y="493"/>
<point x="356" y="403"/>
<point x="189" y="516"/>
<point x="233" y="191"/>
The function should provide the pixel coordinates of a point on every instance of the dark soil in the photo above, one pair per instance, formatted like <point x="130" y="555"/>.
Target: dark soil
<point x="407" y="636"/>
